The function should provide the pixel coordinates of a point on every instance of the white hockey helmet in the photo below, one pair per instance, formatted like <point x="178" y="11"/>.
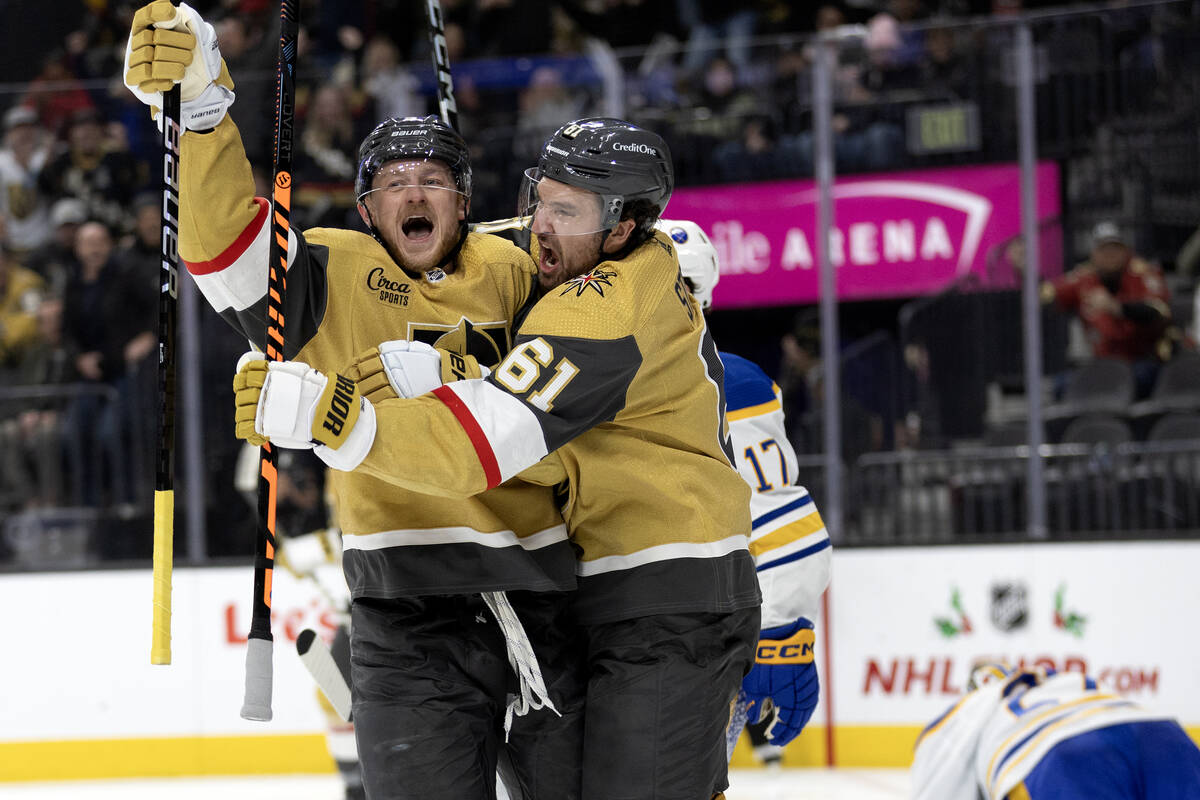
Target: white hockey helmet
<point x="697" y="257"/>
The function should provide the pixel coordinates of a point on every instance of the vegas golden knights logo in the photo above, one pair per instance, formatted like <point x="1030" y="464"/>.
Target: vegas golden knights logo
<point x="487" y="341"/>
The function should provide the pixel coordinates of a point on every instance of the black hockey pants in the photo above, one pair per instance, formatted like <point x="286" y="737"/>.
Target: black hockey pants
<point x="430" y="685"/>
<point x="658" y="702"/>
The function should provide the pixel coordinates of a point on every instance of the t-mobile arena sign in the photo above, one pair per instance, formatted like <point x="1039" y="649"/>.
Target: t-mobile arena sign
<point x="895" y="235"/>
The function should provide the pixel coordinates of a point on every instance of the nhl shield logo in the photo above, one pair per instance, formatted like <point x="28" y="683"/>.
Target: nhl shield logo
<point x="1010" y="606"/>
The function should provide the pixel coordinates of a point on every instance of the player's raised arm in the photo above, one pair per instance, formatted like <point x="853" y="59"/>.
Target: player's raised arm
<point x="224" y="230"/>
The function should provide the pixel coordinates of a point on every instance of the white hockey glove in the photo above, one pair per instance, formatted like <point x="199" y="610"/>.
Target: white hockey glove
<point x="409" y="369"/>
<point x="292" y="405"/>
<point x="169" y="45"/>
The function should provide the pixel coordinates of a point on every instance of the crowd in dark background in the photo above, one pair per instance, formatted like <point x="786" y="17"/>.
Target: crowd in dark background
<point x="728" y="85"/>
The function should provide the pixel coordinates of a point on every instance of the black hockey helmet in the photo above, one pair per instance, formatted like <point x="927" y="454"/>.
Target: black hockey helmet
<point x="617" y="160"/>
<point x="403" y="138"/>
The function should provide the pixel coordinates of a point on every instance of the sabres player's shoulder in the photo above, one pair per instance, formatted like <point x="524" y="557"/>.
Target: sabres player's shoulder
<point x="746" y="385"/>
<point x="348" y="242"/>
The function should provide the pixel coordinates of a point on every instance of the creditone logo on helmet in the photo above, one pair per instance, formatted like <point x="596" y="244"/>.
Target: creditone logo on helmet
<point x="635" y="148"/>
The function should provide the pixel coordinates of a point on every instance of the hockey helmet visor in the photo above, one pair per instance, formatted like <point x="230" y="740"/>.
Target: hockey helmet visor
<point x="556" y="209"/>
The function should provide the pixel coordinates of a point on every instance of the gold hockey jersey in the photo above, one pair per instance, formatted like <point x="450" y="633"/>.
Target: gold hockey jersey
<point x="345" y="294"/>
<point x="614" y="386"/>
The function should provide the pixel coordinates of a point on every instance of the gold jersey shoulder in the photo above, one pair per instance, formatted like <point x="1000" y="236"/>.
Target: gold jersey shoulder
<point x="615" y="299"/>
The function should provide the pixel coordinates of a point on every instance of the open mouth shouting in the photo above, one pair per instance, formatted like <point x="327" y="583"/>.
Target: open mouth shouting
<point x="417" y="228"/>
<point x="549" y="262"/>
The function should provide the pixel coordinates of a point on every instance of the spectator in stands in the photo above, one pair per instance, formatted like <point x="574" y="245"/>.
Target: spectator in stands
<point x="328" y="158"/>
<point x="21" y="292"/>
<point x="390" y="84"/>
<point x="109" y="319"/>
<point x="760" y="153"/>
<point x="57" y="94"/>
<point x="1123" y="303"/>
<point x="719" y="109"/>
<point x="31" y="465"/>
<point x="544" y="104"/>
<point x="22" y="207"/>
<point x="104" y="180"/>
<point x="54" y="260"/>
<point x="945" y="69"/>
<point x="716" y="25"/>
<point x="141" y="252"/>
<point x="250" y="53"/>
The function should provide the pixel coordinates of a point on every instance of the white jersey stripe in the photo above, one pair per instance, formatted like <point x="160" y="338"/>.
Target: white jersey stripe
<point x="244" y="282"/>
<point x="453" y="535"/>
<point x="662" y="552"/>
<point x="511" y="429"/>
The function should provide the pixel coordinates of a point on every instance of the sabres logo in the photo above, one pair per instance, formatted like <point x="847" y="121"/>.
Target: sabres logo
<point x="596" y="279"/>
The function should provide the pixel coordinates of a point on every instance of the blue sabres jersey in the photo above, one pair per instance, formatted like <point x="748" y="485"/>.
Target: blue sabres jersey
<point x="788" y="538"/>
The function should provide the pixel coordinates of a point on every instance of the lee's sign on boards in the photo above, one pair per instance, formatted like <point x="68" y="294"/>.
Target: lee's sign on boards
<point x="895" y="235"/>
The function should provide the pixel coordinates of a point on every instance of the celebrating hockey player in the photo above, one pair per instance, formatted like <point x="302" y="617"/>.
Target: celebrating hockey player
<point x="612" y="389"/>
<point x="430" y="656"/>
<point x="1037" y="734"/>
<point x="787" y="538"/>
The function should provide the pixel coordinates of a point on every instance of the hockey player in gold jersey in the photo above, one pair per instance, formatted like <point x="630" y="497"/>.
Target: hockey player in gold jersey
<point x="612" y="390"/>
<point x="430" y="657"/>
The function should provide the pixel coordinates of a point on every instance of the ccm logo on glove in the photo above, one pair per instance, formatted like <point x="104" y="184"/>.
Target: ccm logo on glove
<point x="339" y="405"/>
<point x="796" y="649"/>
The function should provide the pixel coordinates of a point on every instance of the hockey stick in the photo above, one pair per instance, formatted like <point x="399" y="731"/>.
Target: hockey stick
<point x="441" y="64"/>
<point x="318" y="660"/>
<point x="259" y="644"/>
<point x="164" y="460"/>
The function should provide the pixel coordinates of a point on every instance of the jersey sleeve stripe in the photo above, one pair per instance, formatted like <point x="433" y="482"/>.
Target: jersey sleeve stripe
<point x="776" y="513"/>
<point x="805" y="553"/>
<point x="483" y="448"/>
<point x="940" y="721"/>
<point x="800" y="529"/>
<point x="506" y="433"/>
<point x="239" y="245"/>
<point x="453" y="535"/>
<point x="753" y="411"/>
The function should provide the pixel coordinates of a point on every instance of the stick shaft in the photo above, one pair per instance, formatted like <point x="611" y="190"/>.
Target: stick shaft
<point x="257" y="703"/>
<point x="441" y="64"/>
<point x="164" y="462"/>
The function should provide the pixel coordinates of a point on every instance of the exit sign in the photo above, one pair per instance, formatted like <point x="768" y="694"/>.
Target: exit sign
<point x="946" y="128"/>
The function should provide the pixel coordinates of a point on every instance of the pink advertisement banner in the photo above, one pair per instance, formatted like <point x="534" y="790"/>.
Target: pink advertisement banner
<point x="898" y="234"/>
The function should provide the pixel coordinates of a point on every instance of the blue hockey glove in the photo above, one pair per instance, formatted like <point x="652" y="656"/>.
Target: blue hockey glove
<point x="784" y="676"/>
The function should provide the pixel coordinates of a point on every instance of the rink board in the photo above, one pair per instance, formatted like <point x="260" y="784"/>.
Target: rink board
<point x="81" y="699"/>
<point x="902" y="647"/>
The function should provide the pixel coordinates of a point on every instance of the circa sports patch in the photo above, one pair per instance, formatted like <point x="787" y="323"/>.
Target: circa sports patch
<point x="386" y="290"/>
<point x="597" y="279"/>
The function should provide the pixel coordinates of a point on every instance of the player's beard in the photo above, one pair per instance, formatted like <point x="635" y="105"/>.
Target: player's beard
<point x="564" y="257"/>
<point x="422" y="239"/>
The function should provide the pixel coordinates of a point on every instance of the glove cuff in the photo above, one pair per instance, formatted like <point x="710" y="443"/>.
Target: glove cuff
<point x="785" y="631"/>
<point x="206" y="111"/>
<point x="357" y="444"/>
